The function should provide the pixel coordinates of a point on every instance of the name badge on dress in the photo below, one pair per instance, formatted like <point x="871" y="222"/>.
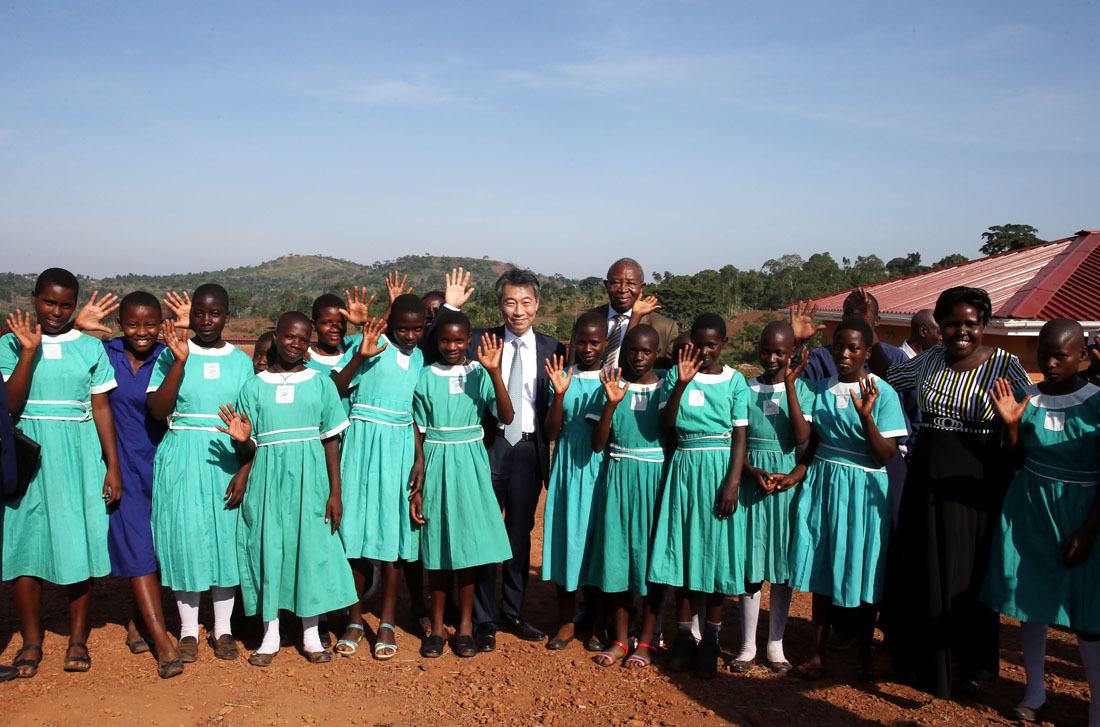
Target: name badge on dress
<point x="842" y="400"/>
<point x="640" y="402"/>
<point x="403" y="360"/>
<point x="1055" y="421"/>
<point x="696" y="397"/>
<point x="771" y="407"/>
<point x="284" y="394"/>
<point x="458" y="384"/>
<point x="51" y="350"/>
<point x="212" y="370"/>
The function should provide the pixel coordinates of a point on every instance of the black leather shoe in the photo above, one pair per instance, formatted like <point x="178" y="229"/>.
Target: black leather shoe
<point x="465" y="647"/>
<point x="522" y="630"/>
<point x="432" y="648"/>
<point x="486" y="638"/>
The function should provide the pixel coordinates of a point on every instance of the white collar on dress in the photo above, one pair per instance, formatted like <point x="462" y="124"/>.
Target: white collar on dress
<point x="295" y="377"/>
<point x="761" y="388"/>
<point x="324" y="358"/>
<point x="1065" y="401"/>
<point x="838" y="389"/>
<point x="70" y="335"/>
<point x="643" y="388"/>
<point x="724" y="375"/>
<point x="195" y="348"/>
<point x="578" y="374"/>
<point x="441" y="369"/>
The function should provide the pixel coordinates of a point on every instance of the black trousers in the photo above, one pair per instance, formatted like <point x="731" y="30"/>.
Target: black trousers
<point x="516" y="482"/>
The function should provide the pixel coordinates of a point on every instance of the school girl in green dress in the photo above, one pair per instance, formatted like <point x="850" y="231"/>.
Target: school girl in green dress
<point x="699" y="538"/>
<point x="453" y="500"/>
<point x="288" y="420"/>
<point x="195" y="493"/>
<point x="1044" y="567"/>
<point x="57" y="381"/>
<point x="629" y="427"/>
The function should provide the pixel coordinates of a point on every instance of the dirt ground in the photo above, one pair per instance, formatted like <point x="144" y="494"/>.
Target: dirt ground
<point x="518" y="684"/>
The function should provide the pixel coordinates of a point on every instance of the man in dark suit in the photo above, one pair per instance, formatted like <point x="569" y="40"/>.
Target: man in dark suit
<point x="9" y="481"/>
<point x="519" y="454"/>
<point x="625" y="284"/>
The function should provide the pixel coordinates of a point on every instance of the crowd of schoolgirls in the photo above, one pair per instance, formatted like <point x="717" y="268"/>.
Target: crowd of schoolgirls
<point x="924" y="489"/>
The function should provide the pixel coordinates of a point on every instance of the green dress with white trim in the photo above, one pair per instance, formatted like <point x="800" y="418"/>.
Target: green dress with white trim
<point x="574" y="472"/>
<point x="770" y="448"/>
<point x="464" y="525"/>
<point x="692" y="548"/>
<point x="842" y="509"/>
<point x="289" y="556"/>
<point x="1047" y="502"/>
<point x="194" y="533"/>
<point x="626" y="498"/>
<point x="327" y="364"/>
<point x="377" y="456"/>
<point x="57" y="530"/>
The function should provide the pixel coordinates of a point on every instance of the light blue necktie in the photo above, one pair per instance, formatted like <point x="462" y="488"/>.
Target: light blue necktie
<point x="513" y="431"/>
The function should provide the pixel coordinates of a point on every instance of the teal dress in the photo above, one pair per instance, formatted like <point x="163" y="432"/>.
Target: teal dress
<point x="626" y="498"/>
<point x="574" y="472"/>
<point x="328" y="364"/>
<point x="1047" y="502"/>
<point x="194" y="533"/>
<point x="842" y="509"/>
<point x="57" y="530"/>
<point x="289" y="557"/>
<point x="770" y="448"/>
<point x="464" y="525"/>
<point x="692" y="548"/>
<point x="377" y="457"/>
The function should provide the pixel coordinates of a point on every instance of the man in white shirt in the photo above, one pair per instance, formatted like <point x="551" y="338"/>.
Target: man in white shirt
<point x="924" y="333"/>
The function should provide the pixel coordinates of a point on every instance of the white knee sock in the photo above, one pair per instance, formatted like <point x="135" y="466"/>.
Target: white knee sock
<point x="223" y="609"/>
<point x="271" y="642"/>
<point x="750" y="616"/>
<point x="779" y="599"/>
<point x="188" y="604"/>
<point x="311" y="636"/>
<point x="1090" y="658"/>
<point x="1033" y="638"/>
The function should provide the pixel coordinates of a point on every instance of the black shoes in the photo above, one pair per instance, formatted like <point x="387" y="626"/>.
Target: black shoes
<point x="465" y="646"/>
<point x="485" y="637"/>
<point x="8" y="672"/>
<point x="521" y="629"/>
<point x="432" y="648"/>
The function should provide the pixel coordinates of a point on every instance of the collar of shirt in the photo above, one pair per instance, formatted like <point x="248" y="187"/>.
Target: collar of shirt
<point x="115" y="345"/>
<point x="611" y="313"/>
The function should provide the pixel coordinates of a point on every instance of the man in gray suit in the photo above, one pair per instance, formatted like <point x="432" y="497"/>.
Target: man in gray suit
<point x="625" y="284"/>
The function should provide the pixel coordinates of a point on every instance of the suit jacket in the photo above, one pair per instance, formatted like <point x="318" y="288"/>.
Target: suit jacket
<point x="666" y="328"/>
<point x="9" y="475"/>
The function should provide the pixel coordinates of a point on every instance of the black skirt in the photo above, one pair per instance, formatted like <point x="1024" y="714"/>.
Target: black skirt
<point x="938" y="560"/>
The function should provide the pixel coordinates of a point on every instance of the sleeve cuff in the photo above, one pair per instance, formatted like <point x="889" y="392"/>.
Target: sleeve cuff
<point x="592" y="417"/>
<point x="105" y="387"/>
<point x="808" y="417"/>
<point x="740" y="422"/>
<point x="896" y="434"/>
<point x="336" y="430"/>
<point x="151" y="389"/>
<point x="448" y="306"/>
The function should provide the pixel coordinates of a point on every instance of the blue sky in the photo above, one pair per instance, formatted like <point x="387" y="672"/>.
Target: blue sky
<point x="170" y="137"/>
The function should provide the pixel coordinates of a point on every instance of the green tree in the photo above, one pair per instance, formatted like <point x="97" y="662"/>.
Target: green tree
<point x="867" y="269"/>
<point x="952" y="259"/>
<point x="901" y="266"/>
<point x="1001" y="238"/>
<point x="239" y="303"/>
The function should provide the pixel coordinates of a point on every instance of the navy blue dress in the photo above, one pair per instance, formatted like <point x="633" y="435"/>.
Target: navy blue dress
<point x="130" y="537"/>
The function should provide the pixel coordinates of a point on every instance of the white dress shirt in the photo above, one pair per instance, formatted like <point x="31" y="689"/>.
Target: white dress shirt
<point x="530" y="374"/>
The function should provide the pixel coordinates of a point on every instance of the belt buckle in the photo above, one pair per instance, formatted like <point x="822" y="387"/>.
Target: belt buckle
<point x="947" y="423"/>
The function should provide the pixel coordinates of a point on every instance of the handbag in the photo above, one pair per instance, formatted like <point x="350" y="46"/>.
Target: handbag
<point x="27" y="455"/>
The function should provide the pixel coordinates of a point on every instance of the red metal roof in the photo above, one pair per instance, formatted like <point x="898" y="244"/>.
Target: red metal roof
<point x="1055" y="279"/>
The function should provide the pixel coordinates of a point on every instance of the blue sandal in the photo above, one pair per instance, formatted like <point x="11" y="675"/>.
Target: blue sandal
<point x="382" y="652"/>
<point x="347" y="647"/>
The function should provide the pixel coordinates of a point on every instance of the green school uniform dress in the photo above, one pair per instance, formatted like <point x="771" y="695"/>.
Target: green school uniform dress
<point x="574" y="472"/>
<point x="1047" y="502"/>
<point x="692" y="548"/>
<point x="327" y="364"/>
<point x="377" y="456"/>
<point x="626" y="498"/>
<point x="194" y="534"/>
<point x="464" y="525"/>
<point x="57" y="531"/>
<point x="289" y="556"/>
<point x="842" y="509"/>
<point x="770" y="448"/>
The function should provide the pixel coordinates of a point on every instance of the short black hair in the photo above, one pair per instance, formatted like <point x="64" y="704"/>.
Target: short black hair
<point x="211" y="290"/>
<point x="860" y="326"/>
<point x="519" y="278"/>
<point x="709" y="322"/>
<point x="139" y="299"/>
<point x="60" y="277"/>
<point x="976" y="298"/>
<point x="854" y="296"/>
<point x="407" y="304"/>
<point x="627" y="262"/>
<point x="326" y="300"/>
<point x="451" y="317"/>
<point x="268" y="336"/>
<point x="923" y="317"/>
<point x="293" y="316"/>
<point x="778" y="328"/>
<point x="1059" y="329"/>
<point x="433" y="294"/>
<point x="590" y="318"/>
<point x="640" y="330"/>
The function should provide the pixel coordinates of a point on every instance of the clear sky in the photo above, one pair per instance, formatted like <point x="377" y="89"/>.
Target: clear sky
<point x="171" y="137"/>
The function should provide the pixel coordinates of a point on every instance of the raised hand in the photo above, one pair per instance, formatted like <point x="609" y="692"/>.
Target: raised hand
<point x="176" y="342"/>
<point x="397" y="287"/>
<point x="236" y="423"/>
<point x="796" y="367"/>
<point x="372" y="332"/>
<point x="1011" y="411"/>
<point x="644" y="306"/>
<point x="458" y="289"/>
<point x="181" y="306"/>
<point x="490" y="351"/>
<point x="613" y="387"/>
<point x="358" y="310"/>
<point x="90" y="317"/>
<point x="802" y="321"/>
<point x="690" y="361"/>
<point x="868" y="394"/>
<point x="560" y="376"/>
<point x="29" y="335"/>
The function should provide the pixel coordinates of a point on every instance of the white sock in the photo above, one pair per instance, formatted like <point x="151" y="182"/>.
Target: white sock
<point x="750" y="616"/>
<point x="1033" y="638"/>
<point x="1090" y="659"/>
<point x="188" y="604"/>
<point x="779" y="599"/>
<point x="698" y="616"/>
<point x="223" y="609"/>
<point x="271" y="642"/>
<point x="311" y="636"/>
